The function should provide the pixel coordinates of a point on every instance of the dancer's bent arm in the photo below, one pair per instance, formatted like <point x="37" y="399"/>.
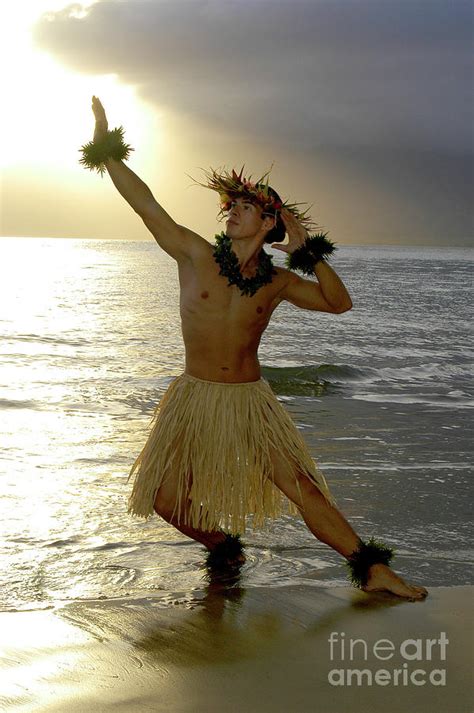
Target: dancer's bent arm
<point x="329" y="294"/>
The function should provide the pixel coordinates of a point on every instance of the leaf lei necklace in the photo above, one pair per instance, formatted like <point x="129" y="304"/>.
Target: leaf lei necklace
<point x="230" y="268"/>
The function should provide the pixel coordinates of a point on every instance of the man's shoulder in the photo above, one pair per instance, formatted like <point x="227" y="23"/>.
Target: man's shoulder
<point x="281" y="281"/>
<point x="197" y="246"/>
<point x="282" y="270"/>
<point x="284" y="275"/>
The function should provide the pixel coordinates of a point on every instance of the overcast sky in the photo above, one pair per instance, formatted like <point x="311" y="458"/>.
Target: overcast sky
<point x="367" y="102"/>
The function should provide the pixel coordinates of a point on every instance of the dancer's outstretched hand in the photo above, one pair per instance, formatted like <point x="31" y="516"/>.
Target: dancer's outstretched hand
<point x="101" y="123"/>
<point x="297" y="233"/>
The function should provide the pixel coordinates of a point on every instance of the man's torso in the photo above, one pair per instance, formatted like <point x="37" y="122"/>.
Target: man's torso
<point x="221" y="327"/>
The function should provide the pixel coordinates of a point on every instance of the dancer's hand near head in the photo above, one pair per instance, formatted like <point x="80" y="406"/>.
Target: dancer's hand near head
<point x="296" y="231"/>
<point x="101" y="123"/>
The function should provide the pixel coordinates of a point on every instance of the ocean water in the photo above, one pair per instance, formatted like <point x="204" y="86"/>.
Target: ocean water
<point x="90" y="340"/>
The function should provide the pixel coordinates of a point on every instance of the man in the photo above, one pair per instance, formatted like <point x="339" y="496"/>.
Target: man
<point x="222" y="446"/>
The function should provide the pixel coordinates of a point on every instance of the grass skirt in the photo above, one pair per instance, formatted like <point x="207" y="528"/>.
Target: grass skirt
<point x="213" y="440"/>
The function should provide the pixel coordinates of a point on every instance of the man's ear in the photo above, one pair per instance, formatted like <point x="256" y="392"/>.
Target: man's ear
<point x="269" y="222"/>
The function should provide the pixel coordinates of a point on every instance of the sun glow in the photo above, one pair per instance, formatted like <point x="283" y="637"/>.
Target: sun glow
<point x="48" y="115"/>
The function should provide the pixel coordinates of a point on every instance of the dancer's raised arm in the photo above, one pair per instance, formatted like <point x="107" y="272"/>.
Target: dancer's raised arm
<point x="176" y="240"/>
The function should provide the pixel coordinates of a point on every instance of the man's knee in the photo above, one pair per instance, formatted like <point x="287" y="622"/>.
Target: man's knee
<point x="167" y="498"/>
<point x="308" y="490"/>
<point x="163" y="505"/>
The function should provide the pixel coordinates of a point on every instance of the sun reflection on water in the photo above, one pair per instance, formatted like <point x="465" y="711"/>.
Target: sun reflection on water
<point x="71" y="406"/>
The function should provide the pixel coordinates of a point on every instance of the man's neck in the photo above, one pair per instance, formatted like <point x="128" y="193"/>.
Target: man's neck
<point x="247" y="251"/>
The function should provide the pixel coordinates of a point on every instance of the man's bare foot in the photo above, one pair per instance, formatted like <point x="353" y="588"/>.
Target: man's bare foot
<point x="383" y="579"/>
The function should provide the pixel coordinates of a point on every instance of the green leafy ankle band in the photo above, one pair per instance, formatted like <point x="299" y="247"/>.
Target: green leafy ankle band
<point x="315" y="248"/>
<point x="367" y="554"/>
<point x="225" y="553"/>
<point x="112" y="145"/>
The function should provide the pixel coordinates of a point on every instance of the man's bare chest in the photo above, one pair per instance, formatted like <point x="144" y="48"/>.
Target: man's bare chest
<point x="205" y="293"/>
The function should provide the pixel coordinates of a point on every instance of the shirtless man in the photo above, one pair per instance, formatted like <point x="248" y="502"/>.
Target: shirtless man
<point x="222" y="332"/>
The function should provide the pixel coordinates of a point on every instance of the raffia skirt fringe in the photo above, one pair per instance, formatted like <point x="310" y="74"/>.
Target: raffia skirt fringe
<point x="214" y="441"/>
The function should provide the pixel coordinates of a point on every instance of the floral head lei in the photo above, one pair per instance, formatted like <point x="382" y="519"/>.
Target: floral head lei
<point x="232" y="185"/>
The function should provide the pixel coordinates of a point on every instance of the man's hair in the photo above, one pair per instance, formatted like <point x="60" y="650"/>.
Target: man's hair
<point x="276" y="234"/>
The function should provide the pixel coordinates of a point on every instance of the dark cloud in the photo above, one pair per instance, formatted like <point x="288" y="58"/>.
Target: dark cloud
<point x="386" y="74"/>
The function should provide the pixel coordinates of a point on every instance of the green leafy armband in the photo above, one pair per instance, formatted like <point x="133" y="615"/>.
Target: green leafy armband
<point x="315" y="248"/>
<point x="112" y="145"/>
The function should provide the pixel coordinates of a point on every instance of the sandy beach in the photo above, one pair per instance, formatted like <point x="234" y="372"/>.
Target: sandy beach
<point x="226" y="648"/>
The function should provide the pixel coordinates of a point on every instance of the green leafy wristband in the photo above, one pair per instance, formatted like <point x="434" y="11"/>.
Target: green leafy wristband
<point x="315" y="248"/>
<point x="112" y="145"/>
<point x="367" y="554"/>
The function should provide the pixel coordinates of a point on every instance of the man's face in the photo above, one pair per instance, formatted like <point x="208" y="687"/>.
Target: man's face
<point x="245" y="219"/>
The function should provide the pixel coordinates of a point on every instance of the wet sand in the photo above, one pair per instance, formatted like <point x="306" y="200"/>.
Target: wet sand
<point x="234" y="650"/>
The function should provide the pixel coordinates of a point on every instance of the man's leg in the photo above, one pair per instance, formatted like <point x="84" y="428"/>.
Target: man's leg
<point x="164" y="506"/>
<point x="329" y="525"/>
